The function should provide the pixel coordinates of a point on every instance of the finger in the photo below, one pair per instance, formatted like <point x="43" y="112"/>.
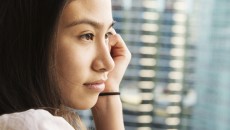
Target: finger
<point x="118" y="45"/>
<point x="113" y="31"/>
<point x="116" y="40"/>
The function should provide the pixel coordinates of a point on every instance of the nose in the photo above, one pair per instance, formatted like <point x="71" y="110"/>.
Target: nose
<point x="103" y="62"/>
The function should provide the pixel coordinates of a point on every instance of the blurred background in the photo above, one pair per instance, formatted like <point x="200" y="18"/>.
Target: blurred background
<point x="179" y="75"/>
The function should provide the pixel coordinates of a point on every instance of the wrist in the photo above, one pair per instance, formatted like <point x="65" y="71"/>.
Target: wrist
<point x="105" y="101"/>
<point x="108" y="110"/>
<point x="109" y="94"/>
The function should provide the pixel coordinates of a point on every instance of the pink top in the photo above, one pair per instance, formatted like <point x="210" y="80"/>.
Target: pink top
<point x="33" y="120"/>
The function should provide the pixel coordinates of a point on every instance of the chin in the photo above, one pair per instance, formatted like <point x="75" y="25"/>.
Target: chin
<point x="84" y="104"/>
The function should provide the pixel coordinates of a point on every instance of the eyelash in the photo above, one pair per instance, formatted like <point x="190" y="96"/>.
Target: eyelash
<point x="87" y="36"/>
<point x="107" y="35"/>
<point x="90" y="36"/>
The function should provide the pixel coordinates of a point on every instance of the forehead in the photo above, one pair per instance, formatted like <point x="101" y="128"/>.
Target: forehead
<point x="97" y="10"/>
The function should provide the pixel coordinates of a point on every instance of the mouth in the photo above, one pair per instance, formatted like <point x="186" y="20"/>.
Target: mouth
<point x="98" y="85"/>
<point x="95" y="82"/>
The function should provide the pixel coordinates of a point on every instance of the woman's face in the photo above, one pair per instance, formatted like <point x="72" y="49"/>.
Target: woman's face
<point x="83" y="55"/>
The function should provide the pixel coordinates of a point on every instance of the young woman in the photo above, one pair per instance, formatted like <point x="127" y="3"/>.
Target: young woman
<point x="56" y="55"/>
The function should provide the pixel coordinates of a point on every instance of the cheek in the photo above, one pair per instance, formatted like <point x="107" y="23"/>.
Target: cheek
<point x="72" y="64"/>
<point x="74" y="72"/>
<point x="73" y="57"/>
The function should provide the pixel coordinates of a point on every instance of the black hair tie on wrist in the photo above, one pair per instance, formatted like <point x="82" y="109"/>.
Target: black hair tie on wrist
<point x="109" y="93"/>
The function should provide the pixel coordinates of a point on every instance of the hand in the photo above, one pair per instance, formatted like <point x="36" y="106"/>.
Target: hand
<point x="112" y="104"/>
<point x="121" y="56"/>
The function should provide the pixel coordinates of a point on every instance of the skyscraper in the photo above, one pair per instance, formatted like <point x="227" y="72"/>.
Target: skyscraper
<point x="212" y="76"/>
<point x="154" y="84"/>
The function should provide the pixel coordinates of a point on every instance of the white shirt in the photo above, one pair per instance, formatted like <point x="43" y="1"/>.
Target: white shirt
<point x="33" y="120"/>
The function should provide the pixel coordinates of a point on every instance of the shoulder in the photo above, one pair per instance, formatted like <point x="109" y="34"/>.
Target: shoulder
<point x="33" y="119"/>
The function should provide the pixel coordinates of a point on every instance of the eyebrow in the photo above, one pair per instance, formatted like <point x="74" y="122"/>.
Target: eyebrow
<point x="89" y="22"/>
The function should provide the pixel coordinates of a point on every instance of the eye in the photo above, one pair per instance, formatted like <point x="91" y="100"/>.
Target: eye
<point x="107" y="35"/>
<point x="88" y="36"/>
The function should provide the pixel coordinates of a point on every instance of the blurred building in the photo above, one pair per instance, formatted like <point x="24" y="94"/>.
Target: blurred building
<point x="211" y="31"/>
<point x="157" y="90"/>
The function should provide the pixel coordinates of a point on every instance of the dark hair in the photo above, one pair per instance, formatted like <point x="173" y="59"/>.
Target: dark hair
<point x="27" y="63"/>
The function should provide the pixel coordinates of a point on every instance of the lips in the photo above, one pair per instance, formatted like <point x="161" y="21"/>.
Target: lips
<point x="98" y="85"/>
<point x="95" y="82"/>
